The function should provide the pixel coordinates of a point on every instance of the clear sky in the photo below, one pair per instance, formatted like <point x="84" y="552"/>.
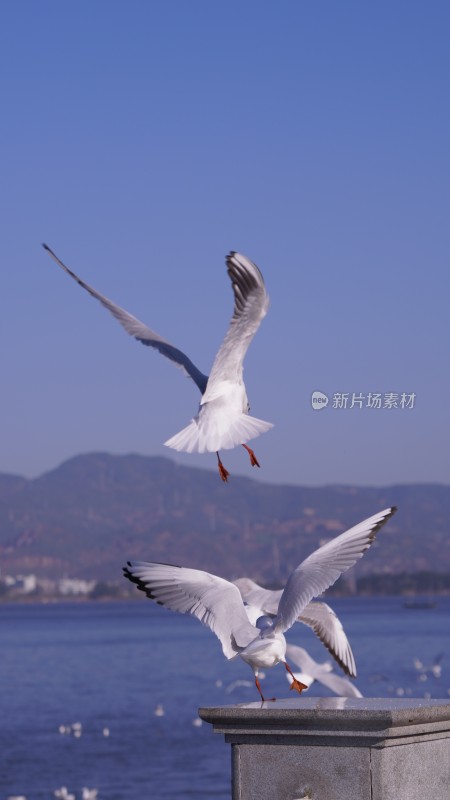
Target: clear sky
<point x="144" y="140"/>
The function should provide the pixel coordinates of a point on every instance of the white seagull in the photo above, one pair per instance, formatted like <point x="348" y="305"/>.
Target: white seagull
<point x="223" y="421"/>
<point x="323" y="673"/>
<point x="317" y="615"/>
<point x="218" y="603"/>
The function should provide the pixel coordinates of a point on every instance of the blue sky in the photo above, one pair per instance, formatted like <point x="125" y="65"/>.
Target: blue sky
<point x="142" y="141"/>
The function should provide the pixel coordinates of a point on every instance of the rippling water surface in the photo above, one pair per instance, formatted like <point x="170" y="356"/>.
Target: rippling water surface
<point x="111" y="666"/>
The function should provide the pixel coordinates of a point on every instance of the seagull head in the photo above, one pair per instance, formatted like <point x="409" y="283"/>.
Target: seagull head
<point x="264" y="623"/>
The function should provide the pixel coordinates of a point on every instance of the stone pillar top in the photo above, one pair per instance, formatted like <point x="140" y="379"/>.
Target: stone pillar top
<point x="336" y="716"/>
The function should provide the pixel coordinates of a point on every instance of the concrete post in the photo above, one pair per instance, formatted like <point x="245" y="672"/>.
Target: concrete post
<point x="337" y="748"/>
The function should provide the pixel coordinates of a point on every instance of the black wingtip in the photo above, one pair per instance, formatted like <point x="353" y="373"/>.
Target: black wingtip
<point x="50" y="251"/>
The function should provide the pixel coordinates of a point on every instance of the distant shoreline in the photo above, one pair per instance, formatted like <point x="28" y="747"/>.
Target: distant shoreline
<point x="424" y="598"/>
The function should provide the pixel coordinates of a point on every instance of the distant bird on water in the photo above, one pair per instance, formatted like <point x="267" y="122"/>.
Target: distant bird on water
<point x="258" y="640"/>
<point x="223" y="421"/>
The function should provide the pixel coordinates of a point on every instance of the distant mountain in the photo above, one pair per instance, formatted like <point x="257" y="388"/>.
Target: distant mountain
<point x="88" y="516"/>
<point x="9" y="484"/>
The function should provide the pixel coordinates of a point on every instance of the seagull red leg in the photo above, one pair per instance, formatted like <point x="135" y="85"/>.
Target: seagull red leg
<point x="295" y="683"/>
<point x="253" y="460"/>
<point x="258" y="686"/>
<point x="224" y="474"/>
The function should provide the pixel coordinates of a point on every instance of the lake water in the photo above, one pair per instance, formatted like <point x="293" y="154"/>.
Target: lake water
<point x="110" y="666"/>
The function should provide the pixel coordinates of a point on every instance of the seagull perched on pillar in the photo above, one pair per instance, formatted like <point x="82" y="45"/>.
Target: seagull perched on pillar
<point x="242" y="630"/>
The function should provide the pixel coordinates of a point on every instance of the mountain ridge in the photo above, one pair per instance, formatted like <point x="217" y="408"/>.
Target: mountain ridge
<point x="94" y="511"/>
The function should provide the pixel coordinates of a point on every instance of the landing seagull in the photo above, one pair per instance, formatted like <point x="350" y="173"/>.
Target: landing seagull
<point x="218" y="603"/>
<point x="316" y="615"/>
<point x="223" y="420"/>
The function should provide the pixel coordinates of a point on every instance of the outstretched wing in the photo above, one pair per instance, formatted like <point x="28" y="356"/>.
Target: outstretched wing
<point x="141" y="332"/>
<point x="255" y="595"/>
<point x="251" y="302"/>
<point x="317" y="615"/>
<point x="328" y="627"/>
<point x="213" y="600"/>
<point x="323" y="567"/>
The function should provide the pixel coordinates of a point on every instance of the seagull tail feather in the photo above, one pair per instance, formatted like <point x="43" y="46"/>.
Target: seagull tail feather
<point x="196" y="438"/>
<point x="188" y="439"/>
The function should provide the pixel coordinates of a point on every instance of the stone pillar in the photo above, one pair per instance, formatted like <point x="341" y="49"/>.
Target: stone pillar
<point x="337" y="748"/>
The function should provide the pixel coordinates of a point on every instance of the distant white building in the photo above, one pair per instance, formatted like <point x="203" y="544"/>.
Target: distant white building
<point x="75" y="586"/>
<point x="25" y="584"/>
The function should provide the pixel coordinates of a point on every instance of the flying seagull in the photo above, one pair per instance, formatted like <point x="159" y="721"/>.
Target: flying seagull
<point x="323" y="673"/>
<point x="317" y="615"/>
<point x="218" y="603"/>
<point x="223" y="421"/>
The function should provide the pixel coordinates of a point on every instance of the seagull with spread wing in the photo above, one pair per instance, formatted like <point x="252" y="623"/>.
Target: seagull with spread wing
<point x="317" y="615"/>
<point x="223" y="421"/>
<point x="218" y="603"/>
